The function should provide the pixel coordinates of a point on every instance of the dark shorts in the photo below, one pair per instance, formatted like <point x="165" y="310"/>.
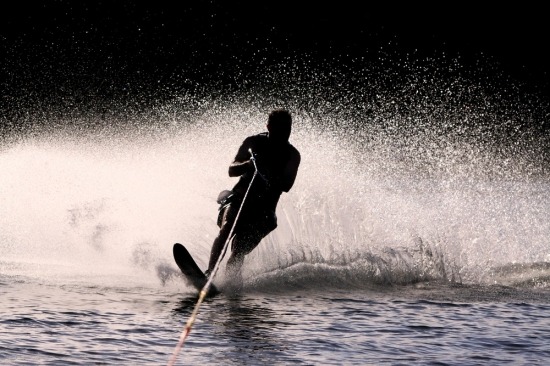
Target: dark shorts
<point x="253" y="224"/>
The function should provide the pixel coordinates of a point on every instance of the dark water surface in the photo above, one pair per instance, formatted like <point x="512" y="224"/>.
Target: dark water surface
<point x="58" y="324"/>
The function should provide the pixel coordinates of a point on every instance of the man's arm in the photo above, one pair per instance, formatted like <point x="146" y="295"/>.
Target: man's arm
<point x="241" y="163"/>
<point x="236" y="169"/>
<point x="291" y="170"/>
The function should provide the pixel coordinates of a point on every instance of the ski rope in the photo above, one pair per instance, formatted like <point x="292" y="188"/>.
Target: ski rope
<point x="204" y="291"/>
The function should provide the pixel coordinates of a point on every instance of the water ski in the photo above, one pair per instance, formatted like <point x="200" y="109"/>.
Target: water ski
<point x="191" y="270"/>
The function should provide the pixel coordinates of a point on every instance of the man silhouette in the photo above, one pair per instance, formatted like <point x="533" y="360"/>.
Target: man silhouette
<point x="277" y="164"/>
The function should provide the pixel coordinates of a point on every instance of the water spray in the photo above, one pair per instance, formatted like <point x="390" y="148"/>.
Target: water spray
<point x="208" y="284"/>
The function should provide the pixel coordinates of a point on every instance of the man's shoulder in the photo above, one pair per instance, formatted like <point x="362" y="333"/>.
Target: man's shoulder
<point x="259" y="137"/>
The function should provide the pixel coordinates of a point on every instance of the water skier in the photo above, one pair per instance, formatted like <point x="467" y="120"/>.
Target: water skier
<point x="277" y="164"/>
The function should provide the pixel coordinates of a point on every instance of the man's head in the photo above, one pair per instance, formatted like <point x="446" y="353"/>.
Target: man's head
<point x="279" y="125"/>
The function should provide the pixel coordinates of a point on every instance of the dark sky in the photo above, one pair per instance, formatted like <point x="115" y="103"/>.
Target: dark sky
<point x="128" y="36"/>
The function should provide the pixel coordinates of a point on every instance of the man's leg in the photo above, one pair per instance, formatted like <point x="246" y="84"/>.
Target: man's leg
<point x="241" y="246"/>
<point x="225" y="228"/>
<point x="245" y="242"/>
<point x="234" y="266"/>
